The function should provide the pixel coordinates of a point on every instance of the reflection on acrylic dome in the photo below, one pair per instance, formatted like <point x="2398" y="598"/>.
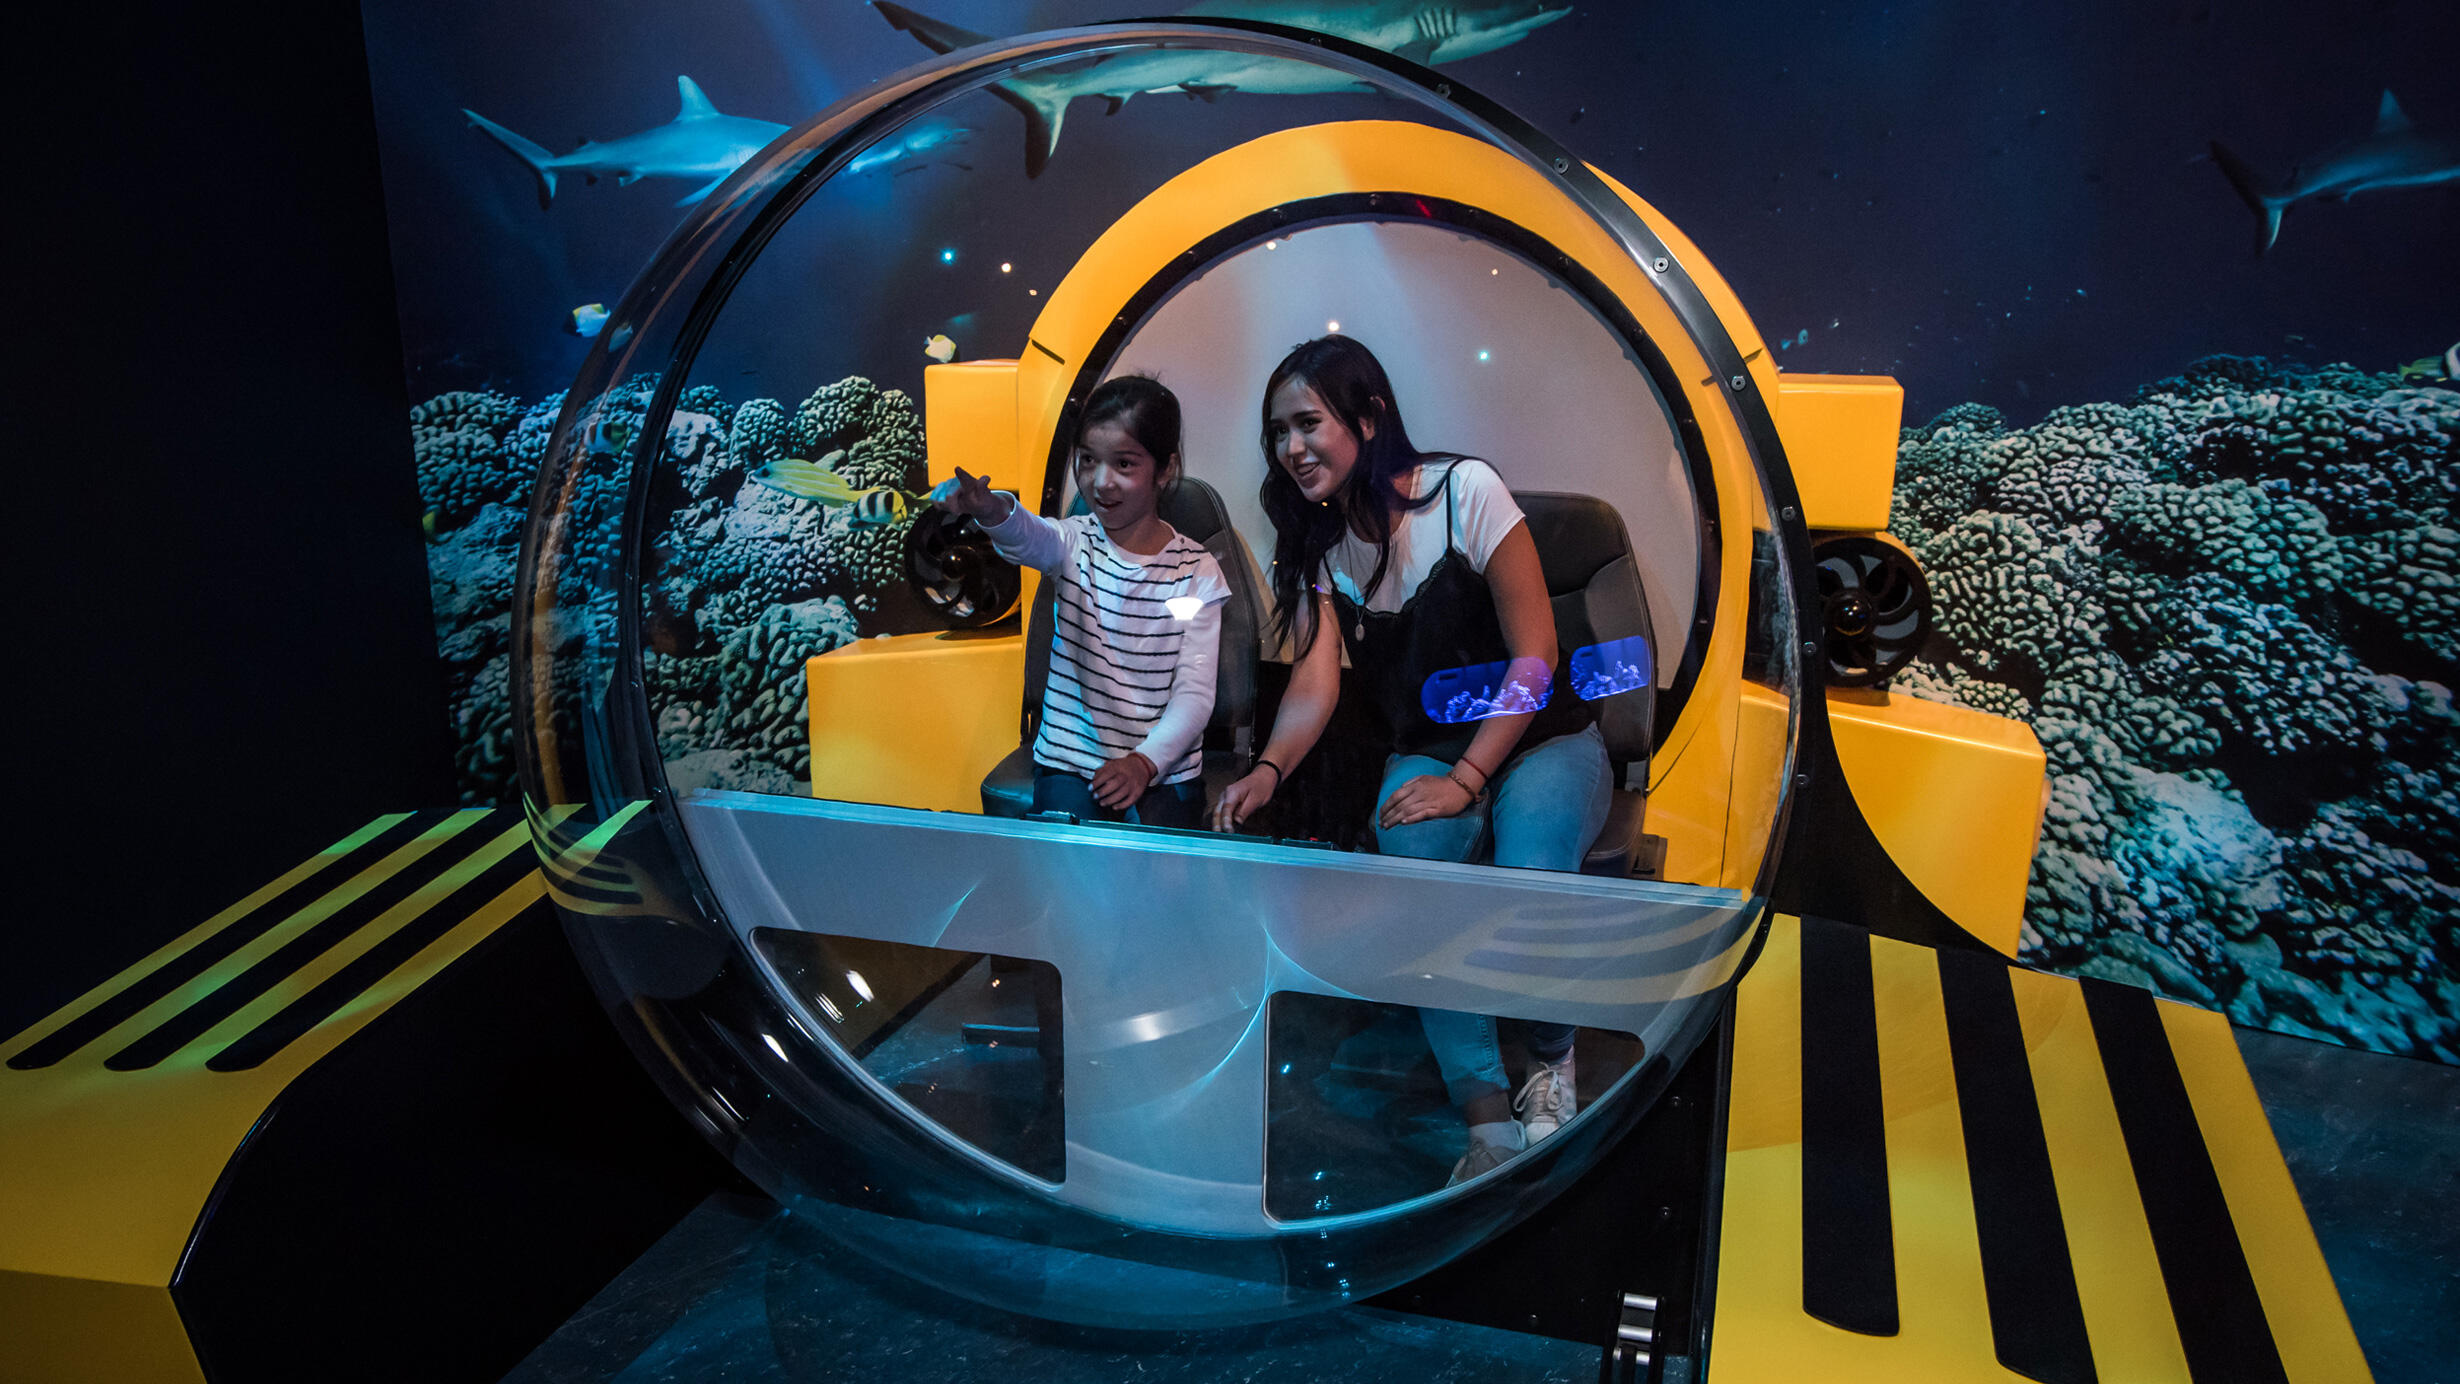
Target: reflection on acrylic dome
<point x="1095" y="1071"/>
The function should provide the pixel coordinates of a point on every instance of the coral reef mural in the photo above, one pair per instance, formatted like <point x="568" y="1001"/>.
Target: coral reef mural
<point x="746" y="582"/>
<point x="2227" y="601"/>
<point x="2231" y="611"/>
<point x="2230" y="608"/>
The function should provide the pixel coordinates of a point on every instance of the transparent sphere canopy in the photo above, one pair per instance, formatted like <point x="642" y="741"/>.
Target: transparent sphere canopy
<point x="1111" y="1073"/>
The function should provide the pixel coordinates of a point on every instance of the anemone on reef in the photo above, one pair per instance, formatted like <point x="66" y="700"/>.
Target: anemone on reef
<point x="2231" y="611"/>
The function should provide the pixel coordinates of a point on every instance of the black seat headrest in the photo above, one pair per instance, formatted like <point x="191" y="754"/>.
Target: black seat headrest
<point x="1195" y="509"/>
<point x="1593" y="581"/>
<point x="1576" y="535"/>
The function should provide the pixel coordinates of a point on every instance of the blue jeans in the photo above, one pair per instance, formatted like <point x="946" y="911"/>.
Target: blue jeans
<point x="1163" y="805"/>
<point x="1546" y="807"/>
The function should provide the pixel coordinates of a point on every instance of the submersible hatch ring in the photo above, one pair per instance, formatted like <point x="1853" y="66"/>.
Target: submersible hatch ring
<point x="648" y="918"/>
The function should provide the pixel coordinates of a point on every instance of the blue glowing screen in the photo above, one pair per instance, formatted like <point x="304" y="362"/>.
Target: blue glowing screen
<point x="1475" y="693"/>
<point x="1600" y="671"/>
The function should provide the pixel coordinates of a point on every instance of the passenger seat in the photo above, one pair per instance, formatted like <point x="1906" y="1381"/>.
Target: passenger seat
<point x="1594" y="583"/>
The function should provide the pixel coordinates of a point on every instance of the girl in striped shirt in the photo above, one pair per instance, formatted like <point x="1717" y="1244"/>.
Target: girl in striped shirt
<point x="1138" y="619"/>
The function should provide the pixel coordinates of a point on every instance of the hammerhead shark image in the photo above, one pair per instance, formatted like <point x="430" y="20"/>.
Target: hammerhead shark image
<point x="1423" y="31"/>
<point x="2394" y="154"/>
<point x="699" y="143"/>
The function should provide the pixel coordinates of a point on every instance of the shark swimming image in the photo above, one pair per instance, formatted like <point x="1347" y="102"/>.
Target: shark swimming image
<point x="1417" y="30"/>
<point x="700" y="144"/>
<point x="911" y="149"/>
<point x="2393" y="154"/>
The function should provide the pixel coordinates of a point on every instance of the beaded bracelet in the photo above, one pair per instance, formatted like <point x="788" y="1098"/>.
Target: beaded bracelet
<point x="1453" y="773"/>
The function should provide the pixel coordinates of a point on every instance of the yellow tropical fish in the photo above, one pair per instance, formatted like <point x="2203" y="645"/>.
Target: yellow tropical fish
<point x="818" y="482"/>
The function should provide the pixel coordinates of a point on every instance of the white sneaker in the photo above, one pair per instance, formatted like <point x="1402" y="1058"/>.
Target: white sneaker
<point x="1546" y="1101"/>
<point x="1482" y="1158"/>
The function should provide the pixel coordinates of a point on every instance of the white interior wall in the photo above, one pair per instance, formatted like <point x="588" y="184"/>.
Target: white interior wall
<point x="1555" y="401"/>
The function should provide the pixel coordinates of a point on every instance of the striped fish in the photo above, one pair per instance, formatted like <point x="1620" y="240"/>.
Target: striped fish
<point x="819" y="482"/>
<point x="880" y="506"/>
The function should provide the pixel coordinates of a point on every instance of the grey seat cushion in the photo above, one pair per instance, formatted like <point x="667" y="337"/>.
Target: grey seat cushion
<point x="1008" y="790"/>
<point x="1619" y="844"/>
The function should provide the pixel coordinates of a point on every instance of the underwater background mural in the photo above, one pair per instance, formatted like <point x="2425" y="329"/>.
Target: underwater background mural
<point x="2170" y="290"/>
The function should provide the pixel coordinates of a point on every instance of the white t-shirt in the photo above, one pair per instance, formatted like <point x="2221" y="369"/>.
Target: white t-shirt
<point x="1133" y="644"/>
<point x="1482" y="513"/>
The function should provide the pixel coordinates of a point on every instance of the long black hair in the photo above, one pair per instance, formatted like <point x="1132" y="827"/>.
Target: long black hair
<point x="1352" y="383"/>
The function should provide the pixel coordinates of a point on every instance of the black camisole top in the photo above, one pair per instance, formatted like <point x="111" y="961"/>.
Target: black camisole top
<point x="1447" y="625"/>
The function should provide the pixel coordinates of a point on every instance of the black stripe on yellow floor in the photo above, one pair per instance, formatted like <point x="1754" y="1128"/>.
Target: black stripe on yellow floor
<point x="146" y="989"/>
<point x="2036" y="1316"/>
<point x="1848" y="1241"/>
<point x="2221" y="1323"/>
<point x="234" y="994"/>
<point x="294" y="1020"/>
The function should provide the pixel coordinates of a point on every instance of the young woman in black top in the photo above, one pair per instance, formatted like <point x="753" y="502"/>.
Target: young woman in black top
<point x="1422" y="565"/>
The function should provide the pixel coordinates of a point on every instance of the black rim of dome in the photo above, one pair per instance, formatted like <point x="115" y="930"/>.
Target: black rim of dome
<point x="924" y="87"/>
<point x="616" y="749"/>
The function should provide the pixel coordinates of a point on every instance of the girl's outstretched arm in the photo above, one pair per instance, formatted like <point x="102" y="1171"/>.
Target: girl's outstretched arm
<point x="1017" y="533"/>
<point x="1315" y="688"/>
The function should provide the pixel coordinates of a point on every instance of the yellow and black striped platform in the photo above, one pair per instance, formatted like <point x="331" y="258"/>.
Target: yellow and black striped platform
<point x="362" y="1100"/>
<point x="120" y="1113"/>
<point x="1940" y="1167"/>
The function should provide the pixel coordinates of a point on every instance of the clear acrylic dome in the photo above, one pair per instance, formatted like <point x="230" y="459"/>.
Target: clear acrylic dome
<point x="1098" y="1073"/>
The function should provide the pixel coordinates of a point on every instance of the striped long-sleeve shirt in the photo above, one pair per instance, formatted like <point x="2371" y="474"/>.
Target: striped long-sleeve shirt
<point x="1133" y="644"/>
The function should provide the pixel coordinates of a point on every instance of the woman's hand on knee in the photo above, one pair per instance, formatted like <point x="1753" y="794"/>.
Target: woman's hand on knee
<point x="1423" y="798"/>
<point x="1244" y="799"/>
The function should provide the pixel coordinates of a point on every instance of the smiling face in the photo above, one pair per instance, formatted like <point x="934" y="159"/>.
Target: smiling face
<point x="1120" y="480"/>
<point x="1310" y="441"/>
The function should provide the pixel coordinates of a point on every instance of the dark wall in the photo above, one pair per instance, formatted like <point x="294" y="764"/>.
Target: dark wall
<point x="223" y="625"/>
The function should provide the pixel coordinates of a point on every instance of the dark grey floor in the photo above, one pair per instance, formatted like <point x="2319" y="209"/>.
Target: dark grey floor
<point x="738" y="1291"/>
<point x="2374" y="1145"/>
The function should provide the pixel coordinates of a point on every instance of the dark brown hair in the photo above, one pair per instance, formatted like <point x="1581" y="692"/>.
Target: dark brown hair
<point x="1144" y="406"/>
<point x="1352" y="383"/>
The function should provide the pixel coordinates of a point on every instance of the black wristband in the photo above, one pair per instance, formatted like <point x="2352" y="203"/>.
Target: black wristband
<point x="1263" y="763"/>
